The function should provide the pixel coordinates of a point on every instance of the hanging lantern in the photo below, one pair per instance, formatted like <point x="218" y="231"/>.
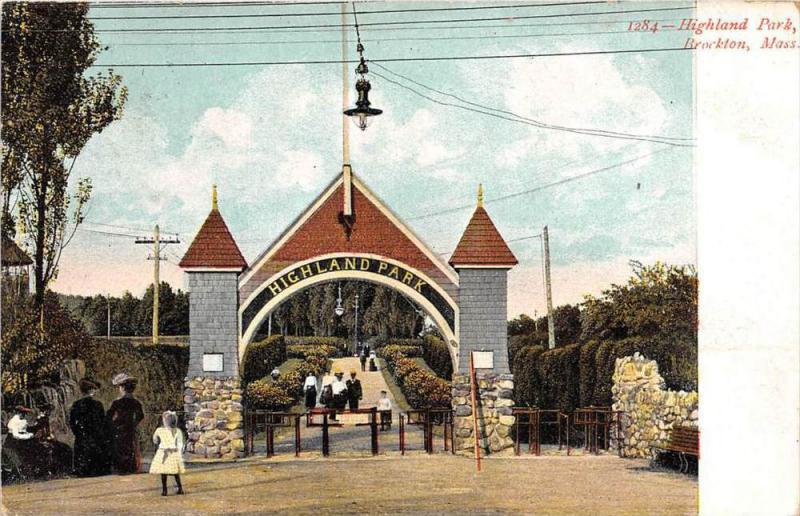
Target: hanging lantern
<point x="362" y="114"/>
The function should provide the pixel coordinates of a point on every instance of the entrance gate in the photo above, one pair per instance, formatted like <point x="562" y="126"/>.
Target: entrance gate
<point x="347" y="232"/>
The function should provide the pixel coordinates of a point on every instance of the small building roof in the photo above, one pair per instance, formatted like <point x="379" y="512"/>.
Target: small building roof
<point x="213" y="247"/>
<point x="481" y="244"/>
<point x="13" y="256"/>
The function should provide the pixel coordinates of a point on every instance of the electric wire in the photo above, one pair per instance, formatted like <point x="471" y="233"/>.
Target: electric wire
<point x="372" y="24"/>
<point x="381" y="11"/>
<point x="537" y="123"/>
<point x="379" y="40"/>
<point x="527" y="122"/>
<point x="543" y="187"/>
<point x="389" y="60"/>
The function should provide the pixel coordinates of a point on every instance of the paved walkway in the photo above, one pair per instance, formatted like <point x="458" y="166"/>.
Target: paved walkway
<point x="350" y="440"/>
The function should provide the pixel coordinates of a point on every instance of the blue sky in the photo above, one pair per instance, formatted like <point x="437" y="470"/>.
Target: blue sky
<point x="270" y="138"/>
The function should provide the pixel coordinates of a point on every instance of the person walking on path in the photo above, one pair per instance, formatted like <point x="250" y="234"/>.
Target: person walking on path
<point x="363" y="359"/>
<point x="168" y="459"/>
<point x="310" y="390"/>
<point x="88" y="424"/>
<point x="124" y="415"/>
<point x="354" y="391"/>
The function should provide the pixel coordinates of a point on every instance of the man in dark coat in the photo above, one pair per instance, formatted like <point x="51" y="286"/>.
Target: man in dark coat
<point x="124" y="415"/>
<point x="354" y="391"/>
<point x="88" y="423"/>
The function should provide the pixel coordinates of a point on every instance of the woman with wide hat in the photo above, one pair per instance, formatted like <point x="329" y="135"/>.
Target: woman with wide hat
<point x="124" y="415"/>
<point x="88" y="423"/>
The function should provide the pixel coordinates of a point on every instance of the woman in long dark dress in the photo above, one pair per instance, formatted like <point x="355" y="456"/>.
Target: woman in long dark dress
<point x="88" y="423"/>
<point x="124" y="415"/>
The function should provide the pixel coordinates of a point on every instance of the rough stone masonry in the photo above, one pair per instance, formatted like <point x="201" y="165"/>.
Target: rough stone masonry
<point x="495" y="419"/>
<point x="649" y="410"/>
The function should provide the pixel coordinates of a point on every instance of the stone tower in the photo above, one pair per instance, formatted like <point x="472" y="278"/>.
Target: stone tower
<point x="482" y="260"/>
<point x="212" y="399"/>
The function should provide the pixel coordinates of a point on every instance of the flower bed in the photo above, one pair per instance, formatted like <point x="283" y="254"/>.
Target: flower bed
<point x="266" y="394"/>
<point x="420" y="387"/>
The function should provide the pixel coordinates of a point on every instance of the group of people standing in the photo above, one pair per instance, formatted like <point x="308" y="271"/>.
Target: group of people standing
<point x="337" y="394"/>
<point x="107" y="440"/>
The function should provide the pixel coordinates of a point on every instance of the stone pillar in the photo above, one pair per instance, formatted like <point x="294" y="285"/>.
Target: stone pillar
<point x="213" y="395"/>
<point x="483" y="326"/>
<point x="495" y="420"/>
<point x="649" y="410"/>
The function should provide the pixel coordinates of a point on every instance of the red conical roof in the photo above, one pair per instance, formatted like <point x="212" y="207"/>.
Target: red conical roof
<point x="482" y="245"/>
<point x="213" y="247"/>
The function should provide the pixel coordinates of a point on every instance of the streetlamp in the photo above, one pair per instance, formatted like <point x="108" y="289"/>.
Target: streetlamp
<point x="355" y="331"/>
<point x="362" y="113"/>
<point x="339" y="310"/>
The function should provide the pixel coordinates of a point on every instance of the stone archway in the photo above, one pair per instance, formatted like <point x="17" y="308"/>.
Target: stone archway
<point x="347" y="232"/>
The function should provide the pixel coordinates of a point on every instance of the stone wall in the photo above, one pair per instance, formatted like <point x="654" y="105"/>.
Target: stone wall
<point x="213" y="321"/>
<point x="483" y="316"/>
<point x="214" y="418"/>
<point x="495" y="421"/>
<point x="649" y="409"/>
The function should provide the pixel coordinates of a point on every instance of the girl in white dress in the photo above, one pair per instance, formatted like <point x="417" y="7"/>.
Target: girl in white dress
<point x="168" y="459"/>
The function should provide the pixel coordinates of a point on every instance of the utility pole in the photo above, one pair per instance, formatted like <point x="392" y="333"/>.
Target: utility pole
<point x="551" y="331"/>
<point x="157" y="241"/>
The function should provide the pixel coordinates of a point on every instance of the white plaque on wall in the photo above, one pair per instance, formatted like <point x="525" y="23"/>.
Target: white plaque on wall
<point x="212" y="362"/>
<point x="483" y="359"/>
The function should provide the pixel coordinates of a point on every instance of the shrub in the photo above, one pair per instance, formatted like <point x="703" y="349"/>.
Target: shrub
<point x="335" y="342"/>
<point x="264" y="395"/>
<point x="420" y="387"/>
<point x="588" y="372"/>
<point x="437" y="356"/>
<point x="302" y="351"/>
<point x="30" y="358"/>
<point x="527" y="379"/>
<point x="262" y="357"/>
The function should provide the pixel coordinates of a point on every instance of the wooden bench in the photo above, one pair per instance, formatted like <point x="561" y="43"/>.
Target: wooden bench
<point x="683" y="441"/>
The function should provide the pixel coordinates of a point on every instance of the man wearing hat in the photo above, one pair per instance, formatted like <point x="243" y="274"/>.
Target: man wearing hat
<point x="339" y="391"/>
<point x="354" y="391"/>
<point x="124" y="415"/>
<point x="87" y="420"/>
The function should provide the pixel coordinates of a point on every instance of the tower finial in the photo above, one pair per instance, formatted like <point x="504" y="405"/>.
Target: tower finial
<point x="480" y="195"/>
<point x="214" y="197"/>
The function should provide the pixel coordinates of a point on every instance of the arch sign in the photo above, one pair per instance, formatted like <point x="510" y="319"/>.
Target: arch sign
<point x="407" y="280"/>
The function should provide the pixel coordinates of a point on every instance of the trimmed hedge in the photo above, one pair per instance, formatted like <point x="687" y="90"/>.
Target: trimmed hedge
<point x="261" y="357"/>
<point x="337" y="342"/>
<point x="421" y="388"/>
<point x="437" y="356"/>
<point x="266" y="394"/>
<point x="302" y="351"/>
<point x="580" y="375"/>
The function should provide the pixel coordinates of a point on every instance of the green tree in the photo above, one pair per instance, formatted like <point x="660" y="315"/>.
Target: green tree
<point x="51" y="108"/>
<point x="659" y="299"/>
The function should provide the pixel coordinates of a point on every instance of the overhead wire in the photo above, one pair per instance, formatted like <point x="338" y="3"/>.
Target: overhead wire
<point x="374" y="24"/>
<point x="377" y="40"/>
<point x="332" y="13"/>
<point x="388" y="60"/>
<point x="538" y="123"/>
<point x="521" y="120"/>
<point x="543" y="187"/>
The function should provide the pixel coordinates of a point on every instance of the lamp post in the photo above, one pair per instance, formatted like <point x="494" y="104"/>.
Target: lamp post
<point x="355" y="330"/>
